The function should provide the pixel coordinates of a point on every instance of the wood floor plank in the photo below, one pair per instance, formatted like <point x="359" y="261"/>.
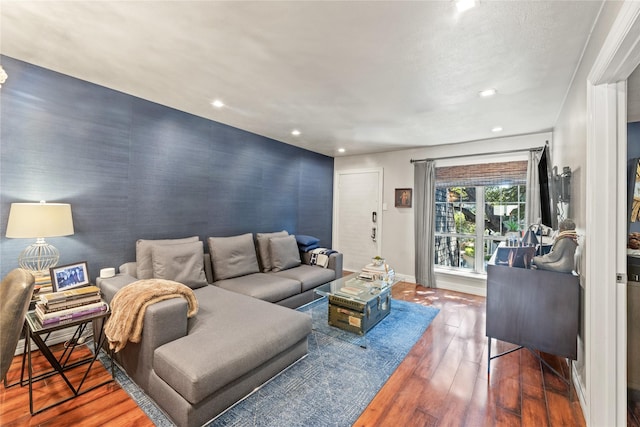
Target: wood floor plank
<point x="421" y="418"/>
<point x="534" y="408"/>
<point x="560" y="410"/>
<point x="459" y="397"/>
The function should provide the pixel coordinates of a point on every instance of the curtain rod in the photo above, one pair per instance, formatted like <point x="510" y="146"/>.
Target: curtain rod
<point x="479" y="154"/>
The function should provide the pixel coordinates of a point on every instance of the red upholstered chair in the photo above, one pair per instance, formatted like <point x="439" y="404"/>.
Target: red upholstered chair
<point x="15" y="293"/>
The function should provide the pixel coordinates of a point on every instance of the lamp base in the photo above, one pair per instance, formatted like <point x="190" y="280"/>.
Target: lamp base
<point x="39" y="257"/>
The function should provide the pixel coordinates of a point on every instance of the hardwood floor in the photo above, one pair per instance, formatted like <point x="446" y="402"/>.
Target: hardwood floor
<point x="108" y="405"/>
<point x="442" y="382"/>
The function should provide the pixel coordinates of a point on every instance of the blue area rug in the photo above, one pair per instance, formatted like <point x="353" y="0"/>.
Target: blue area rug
<point x="329" y="387"/>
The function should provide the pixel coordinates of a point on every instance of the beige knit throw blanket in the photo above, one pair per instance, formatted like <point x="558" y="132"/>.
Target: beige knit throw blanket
<point x="130" y="303"/>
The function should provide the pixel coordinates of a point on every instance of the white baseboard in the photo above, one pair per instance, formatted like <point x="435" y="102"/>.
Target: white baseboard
<point x="579" y="390"/>
<point x="408" y="279"/>
<point x="467" y="283"/>
<point x="56" y="337"/>
<point x="460" y="282"/>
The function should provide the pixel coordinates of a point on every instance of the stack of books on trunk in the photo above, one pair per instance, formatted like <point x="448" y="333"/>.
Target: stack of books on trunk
<point x="376" y="272"/>
<point x="69" y="305"/>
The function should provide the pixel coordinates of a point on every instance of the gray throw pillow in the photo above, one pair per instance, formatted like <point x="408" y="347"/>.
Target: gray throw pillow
<point x="284" y="253"/>
<point x="262" y="241"/>
<point x="144" y="265"/>
<point x="182" y="263"/>
<point x="233" y="256"/>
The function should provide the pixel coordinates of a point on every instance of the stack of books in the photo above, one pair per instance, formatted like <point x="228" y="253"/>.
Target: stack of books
<point x="43" y="284"/>
<point x="376" y="273"/>
<point x="69" y="305"/>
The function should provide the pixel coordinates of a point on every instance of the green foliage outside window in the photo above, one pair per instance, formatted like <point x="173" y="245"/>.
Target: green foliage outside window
<point x="503" y="211"/>
<point x="463" y="225"/>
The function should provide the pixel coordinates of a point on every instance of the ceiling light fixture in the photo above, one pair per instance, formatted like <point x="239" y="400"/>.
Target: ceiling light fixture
<point x="295" y="132"/>
<point x="487" y="93"/>
<point x="464" y="5"/>
<point x="3" y="76"/>
<point x="217" y="103"/>
<point x="496" y="129"/>
<point x="341" y="150"/>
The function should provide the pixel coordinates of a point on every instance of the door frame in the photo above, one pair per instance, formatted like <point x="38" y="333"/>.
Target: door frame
<point x="605" y="254"/>
<point x="336" y="193"/>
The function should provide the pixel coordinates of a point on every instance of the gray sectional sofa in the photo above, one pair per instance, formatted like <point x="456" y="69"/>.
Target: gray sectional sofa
<point x="244" y="332"/>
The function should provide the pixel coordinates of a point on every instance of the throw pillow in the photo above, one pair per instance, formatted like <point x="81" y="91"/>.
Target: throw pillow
<point x="308" y="248"/>
<point x="304" y="240"/>
<point x="284" y="253"/>
<point x="233" y="256"/>
<point x="181" y="263"/>
<point x="144" y="265"/>
<point x="262" y="241"/>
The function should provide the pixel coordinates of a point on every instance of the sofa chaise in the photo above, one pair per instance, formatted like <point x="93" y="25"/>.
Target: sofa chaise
<point x="244" y="332"/>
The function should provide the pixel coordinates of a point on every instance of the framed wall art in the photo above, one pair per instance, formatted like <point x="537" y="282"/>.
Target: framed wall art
<point x="403" y="197"/>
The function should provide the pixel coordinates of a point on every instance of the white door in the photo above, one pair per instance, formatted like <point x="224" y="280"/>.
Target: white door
<point x="358" y="216"/>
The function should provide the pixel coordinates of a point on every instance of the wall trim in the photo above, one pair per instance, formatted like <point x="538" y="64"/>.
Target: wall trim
<point x="56" y="337"/>
<point x="462" y="282"/>
<point x="605" y="362"/>
<point x="580" y="389"/>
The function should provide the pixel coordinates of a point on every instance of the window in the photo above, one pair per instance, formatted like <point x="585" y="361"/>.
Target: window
<point x="476" y="212"/>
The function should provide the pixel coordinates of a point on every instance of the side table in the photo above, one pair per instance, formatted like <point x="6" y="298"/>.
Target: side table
<point x="35" y="330"/>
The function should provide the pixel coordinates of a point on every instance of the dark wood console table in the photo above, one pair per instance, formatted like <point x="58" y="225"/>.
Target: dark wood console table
<point x="534" y="309"/>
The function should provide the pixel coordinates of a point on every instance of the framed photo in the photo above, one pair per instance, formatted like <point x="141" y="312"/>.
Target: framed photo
<point x="403" y="197"/>
<point x="635" y="204"/>
<point x="69" y="276"/>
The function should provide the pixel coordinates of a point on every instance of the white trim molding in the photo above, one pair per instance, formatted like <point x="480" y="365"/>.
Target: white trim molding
<point x="605" y="240"/>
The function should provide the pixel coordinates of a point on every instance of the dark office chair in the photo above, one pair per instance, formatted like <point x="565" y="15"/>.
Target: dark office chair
<point x="16" y="290"/>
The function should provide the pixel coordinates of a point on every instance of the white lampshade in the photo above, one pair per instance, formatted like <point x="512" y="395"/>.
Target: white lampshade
<point x="32" y="220"/>
<point x="39" y="220"/>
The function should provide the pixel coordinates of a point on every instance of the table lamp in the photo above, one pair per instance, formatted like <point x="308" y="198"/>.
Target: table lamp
<point x="39" y="220"/>
<point x="529" y="238"/>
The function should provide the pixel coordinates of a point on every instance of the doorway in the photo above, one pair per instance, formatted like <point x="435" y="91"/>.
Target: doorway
<point x="357" y="216"/>
<point x="606" y="221"/>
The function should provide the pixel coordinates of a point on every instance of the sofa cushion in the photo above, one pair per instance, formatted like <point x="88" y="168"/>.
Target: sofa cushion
<point x="309" y="276"/>
<point x="233" y="256"/>
<point x="144" y="263"/>
<point x="233" y="336"/>
<point x="262" y="242"/>
<point x="264" y="286"/>
<point x="284" y="253"/>
<point x="180" y="262"/>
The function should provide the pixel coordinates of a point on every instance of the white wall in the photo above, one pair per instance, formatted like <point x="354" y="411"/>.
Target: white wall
<point x="570" y="148"/>
<point x="398" y="223"/>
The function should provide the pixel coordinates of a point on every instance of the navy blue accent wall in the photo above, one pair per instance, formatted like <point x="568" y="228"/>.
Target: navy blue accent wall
<point x="134" y="169"/>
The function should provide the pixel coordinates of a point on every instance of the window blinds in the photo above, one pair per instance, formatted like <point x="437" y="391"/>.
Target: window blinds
<point x="487" y="174"/>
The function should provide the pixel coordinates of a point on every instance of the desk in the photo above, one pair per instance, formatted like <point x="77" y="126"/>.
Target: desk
<point x="34" y="331"/>
<point x="534" y="309"/>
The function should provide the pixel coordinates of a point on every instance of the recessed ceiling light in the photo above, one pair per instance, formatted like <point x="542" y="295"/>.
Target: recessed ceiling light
<point x="488" y="92"/>
<point x="464" y="5"/>
<point x="295" y="132"/>
<point x="496" y="129"/>
<point x="341" y="150"/>
<point x="217" y="103"/>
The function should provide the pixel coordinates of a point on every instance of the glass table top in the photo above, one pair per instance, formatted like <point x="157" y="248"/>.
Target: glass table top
<point x="352" y="287"/>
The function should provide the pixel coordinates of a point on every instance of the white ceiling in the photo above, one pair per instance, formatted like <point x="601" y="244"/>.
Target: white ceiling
<point x="368" y="76"/>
